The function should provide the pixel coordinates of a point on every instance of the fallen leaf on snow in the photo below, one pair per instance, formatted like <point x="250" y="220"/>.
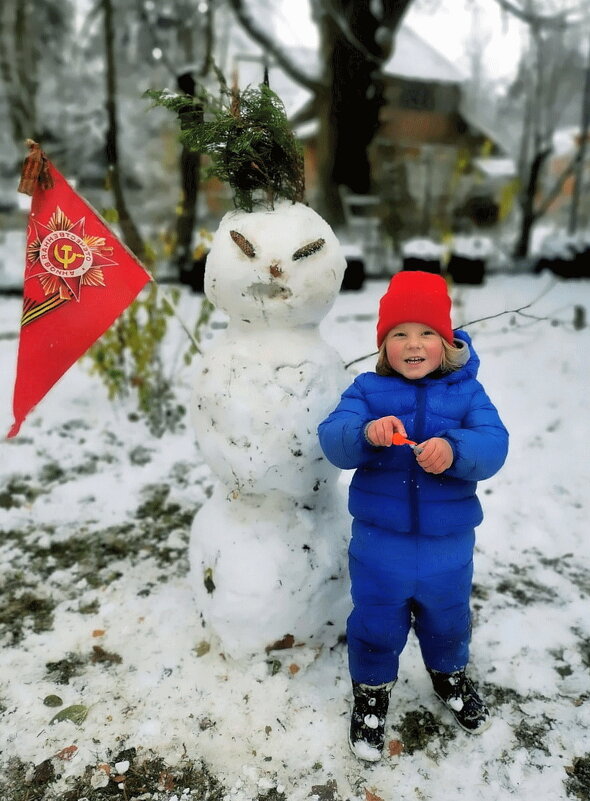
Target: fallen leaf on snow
<point x="77" y="713"/>
<point x="369" y="796"/>
<point x="293" y="669"/>
<point x="52" y="700"/>
<point x="99" y="655"/>
<point x="42" y="773"/>
<point x="285" y="642"/>
<point x="165" y="781"/>
<point x="100" y="777"/>
<point x="67" y="753"/>
<point x="98" y="632"/>
<point x="395" y="747"/>
<point x="202" y="648"/>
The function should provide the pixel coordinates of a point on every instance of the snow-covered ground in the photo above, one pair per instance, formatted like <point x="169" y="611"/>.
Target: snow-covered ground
<point x="96" y="608"/>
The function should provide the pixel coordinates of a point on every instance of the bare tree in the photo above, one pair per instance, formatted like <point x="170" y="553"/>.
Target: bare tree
<point x="31" y="36"/>
<point x="580" y="159"/>
<point x="539" y="80"/>
<point x="194" y="34"/>
<point x="130" y="232"/>
<point x="356" y="40"/>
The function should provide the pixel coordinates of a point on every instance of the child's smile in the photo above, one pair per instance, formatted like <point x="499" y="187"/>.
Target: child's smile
<point x="414" y="350"/>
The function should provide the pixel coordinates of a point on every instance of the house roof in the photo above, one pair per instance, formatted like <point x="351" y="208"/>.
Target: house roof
<point x="496" y="167"/>
<point x="413" y="57"/>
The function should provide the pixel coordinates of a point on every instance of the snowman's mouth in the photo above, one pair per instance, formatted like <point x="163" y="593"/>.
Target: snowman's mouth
<point x="271" y="291"/>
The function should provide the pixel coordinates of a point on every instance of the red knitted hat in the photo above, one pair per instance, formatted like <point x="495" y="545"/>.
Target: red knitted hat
<point x="415" y="297"/>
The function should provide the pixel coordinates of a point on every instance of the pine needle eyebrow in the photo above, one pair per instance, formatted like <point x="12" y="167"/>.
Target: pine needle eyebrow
<point x="245" y="246"/>
<point x="307" y="250"/>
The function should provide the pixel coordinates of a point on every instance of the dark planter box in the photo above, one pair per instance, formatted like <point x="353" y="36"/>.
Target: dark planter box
<point x="561" y="264"/>
<point x="581" y="264"/>
<point x="567" y="257"/>
<point x="464" y="270"/>
<point x="354" y="275"/>
<point x="419" y="263"/>
<point x="195" y="277"/>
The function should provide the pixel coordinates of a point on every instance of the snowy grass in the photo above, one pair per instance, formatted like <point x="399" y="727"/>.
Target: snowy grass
<point x="97" y="611"/>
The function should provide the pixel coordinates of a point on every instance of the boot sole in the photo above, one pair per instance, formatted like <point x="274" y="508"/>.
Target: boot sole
<point x="480" y="729"/>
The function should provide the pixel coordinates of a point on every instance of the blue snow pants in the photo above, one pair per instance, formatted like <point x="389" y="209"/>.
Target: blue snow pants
<point x="399" y="577"/>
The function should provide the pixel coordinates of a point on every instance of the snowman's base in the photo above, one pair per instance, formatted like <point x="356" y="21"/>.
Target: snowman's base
<point x="270" y="569"/>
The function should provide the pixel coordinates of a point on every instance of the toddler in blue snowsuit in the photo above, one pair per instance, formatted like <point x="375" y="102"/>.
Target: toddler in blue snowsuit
<point x="414" y="507"/>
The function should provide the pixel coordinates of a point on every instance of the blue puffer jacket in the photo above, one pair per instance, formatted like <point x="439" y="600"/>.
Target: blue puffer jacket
<point x="389" y="489"/>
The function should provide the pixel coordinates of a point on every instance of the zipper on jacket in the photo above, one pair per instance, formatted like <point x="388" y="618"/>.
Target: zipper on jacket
<point x="415" y="469"/>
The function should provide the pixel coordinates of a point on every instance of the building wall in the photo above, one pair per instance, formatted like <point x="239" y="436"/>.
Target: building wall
<point x="421" y="157"/>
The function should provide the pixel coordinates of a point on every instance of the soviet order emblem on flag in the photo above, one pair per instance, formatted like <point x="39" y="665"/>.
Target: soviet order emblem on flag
<point x="78" y="279"/>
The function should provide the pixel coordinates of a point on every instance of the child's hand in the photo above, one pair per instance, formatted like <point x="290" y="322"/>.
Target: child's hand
<point x="380" y="432"/>
<point x="436" y="455"/>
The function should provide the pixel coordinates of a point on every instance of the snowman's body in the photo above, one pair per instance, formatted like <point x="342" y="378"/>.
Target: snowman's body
<point x="268" y="548"/>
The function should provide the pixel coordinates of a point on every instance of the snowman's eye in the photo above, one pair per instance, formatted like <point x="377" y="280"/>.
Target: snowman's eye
<point x="245" y="246"/>
<point x="307" y="250"/>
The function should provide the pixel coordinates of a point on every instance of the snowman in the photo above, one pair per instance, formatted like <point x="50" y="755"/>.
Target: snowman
<point x="267" y="550"/>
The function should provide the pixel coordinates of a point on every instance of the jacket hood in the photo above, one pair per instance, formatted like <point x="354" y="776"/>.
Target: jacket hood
<point x="471" y="366"/>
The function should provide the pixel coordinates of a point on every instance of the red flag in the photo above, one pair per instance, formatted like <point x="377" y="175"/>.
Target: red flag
<point x="78" y="279"/>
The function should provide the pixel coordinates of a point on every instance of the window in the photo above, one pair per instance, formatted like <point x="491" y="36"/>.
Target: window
<point x="417" y="96"/>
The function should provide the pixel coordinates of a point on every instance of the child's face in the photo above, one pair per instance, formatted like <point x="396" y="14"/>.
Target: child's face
<point x="414" y="349"/>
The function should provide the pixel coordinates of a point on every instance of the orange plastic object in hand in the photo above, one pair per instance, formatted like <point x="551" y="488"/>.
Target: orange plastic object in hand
<point x="399" y="440"/>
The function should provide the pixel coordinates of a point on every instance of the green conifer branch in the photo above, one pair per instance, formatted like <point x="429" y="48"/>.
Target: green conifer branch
<point x="247" y="138"/>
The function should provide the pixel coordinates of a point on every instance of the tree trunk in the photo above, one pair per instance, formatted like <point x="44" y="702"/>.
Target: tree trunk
<point x="529" y="215"/>
<point x="353" y="56"/>
<point x="18" y="69"/>
<point x="190" y="162"/>
<point x="581" y="155"/>
<point x="131" y="235"/>
<point x="189" y="180"/>
<point x="356" y="40"/>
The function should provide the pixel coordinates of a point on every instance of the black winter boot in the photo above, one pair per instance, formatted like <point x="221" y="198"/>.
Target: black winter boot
<point x="367" y="724"/>
<point x="459" y="695"/>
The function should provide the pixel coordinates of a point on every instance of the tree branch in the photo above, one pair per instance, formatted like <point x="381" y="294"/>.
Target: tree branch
<point x="270" y="46"/>
<point x="538" y="20"/>
<point x="557" y="187"/>
<point x="519" y="310"/>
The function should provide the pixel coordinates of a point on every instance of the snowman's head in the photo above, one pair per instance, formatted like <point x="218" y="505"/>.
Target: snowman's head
<point x="283" y="267"/>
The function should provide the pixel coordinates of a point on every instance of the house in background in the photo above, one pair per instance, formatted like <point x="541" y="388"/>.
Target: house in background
<point x="428" y="155"/>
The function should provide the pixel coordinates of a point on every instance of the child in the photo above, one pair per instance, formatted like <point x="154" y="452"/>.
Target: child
<point x="414" y="508"/>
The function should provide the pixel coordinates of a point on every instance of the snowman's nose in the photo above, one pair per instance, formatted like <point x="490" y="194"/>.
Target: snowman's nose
<point x="275" y="269"/>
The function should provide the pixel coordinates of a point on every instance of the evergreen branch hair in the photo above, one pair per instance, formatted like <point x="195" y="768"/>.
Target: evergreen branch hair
<point x="247" y="137"/>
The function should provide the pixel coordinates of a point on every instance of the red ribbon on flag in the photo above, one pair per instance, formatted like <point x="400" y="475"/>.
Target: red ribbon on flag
<point x="78" y="279"/>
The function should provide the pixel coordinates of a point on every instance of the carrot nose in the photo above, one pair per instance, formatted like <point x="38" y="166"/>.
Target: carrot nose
<point x="399" y="440"/>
